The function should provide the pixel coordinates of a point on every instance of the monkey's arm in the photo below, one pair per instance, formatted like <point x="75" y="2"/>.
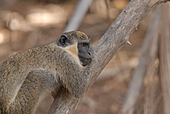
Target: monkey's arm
<point x="71" y="74"/>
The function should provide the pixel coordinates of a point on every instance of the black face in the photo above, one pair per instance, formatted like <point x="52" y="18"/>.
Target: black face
<point x="84" y="53"/>
<point x="64" y="41"/>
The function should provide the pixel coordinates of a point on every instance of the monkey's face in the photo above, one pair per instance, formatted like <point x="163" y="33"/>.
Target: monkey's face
<point x="84" y="52"/>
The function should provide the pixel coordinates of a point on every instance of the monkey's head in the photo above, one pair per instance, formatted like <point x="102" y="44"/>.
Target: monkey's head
<point x="77" y="42"/>
<point x="70" y="38"/>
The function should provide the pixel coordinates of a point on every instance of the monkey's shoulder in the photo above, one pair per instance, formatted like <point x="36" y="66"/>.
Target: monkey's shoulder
<point x="31" y="56"/>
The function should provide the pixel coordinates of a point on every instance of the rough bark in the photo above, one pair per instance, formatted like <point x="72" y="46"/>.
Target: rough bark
<point x="114" y="38"/>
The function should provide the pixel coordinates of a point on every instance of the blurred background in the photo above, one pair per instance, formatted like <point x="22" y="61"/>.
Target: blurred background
<point x="26" y="24"/>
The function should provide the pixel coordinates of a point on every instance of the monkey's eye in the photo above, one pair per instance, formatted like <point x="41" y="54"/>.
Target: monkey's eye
<point x="84" y="44"/>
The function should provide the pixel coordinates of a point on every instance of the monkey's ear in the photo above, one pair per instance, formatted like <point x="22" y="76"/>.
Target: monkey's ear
<point x="64" y="41"/>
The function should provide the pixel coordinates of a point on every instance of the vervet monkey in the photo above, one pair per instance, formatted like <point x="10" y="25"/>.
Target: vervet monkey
<point x="25" y="77"/>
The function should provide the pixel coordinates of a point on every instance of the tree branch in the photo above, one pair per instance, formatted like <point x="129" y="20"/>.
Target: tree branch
<point x="118" y="33"/>
<point x="114" y="38"/>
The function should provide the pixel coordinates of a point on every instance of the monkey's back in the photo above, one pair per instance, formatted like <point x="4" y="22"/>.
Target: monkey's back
<point x="16" y="68"/>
